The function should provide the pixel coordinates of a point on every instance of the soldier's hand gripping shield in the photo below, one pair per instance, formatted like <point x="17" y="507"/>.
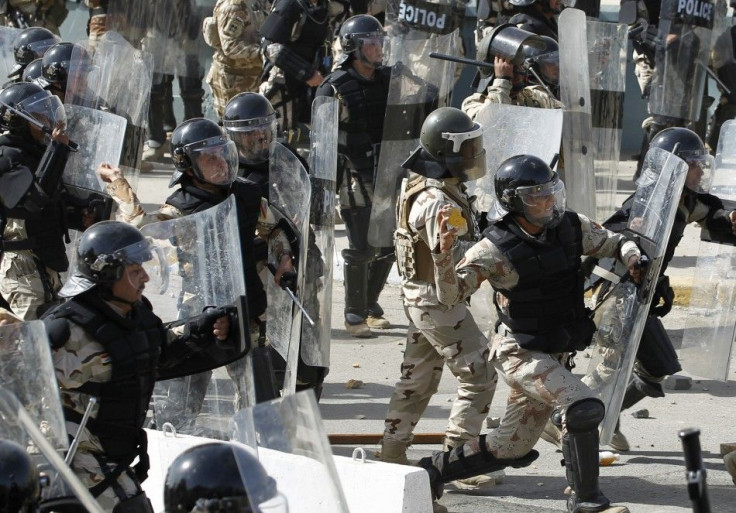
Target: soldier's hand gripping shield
<point x="707" y="343"/>
<point x="607" y="72"/>
<point x="289" y="197"/>
<point x="418" y="86"/>
<point x="30" y="409"/>
<point x="577" y="127"/>
<point x="7" y="57"/>
<point x="198" y="277"/>
<point x="315" y="343"/>
<point x="115" y="77"/>
<point x="294" y="450"/>
<point x="681" y="59"/>
<point x="622" y="315"/>
<point x="511" y="130"/>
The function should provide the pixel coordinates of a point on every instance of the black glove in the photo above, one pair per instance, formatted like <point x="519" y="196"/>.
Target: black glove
<point x="199" y="329"/>
<point x="663" y="293"/>
<point x="288" y="281"/>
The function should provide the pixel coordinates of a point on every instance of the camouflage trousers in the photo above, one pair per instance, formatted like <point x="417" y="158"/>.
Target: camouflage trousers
<point x="644" y="71"/>
<point x="434" y="338"/>
<point x="539" y="383"/>
<point x="225" y="85"/>
<point x="88" y="467"/>
<point x="21" y="284"/>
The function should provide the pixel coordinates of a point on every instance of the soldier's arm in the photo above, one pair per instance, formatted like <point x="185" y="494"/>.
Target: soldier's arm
<point x="600" y="242"/>
<point x="78" y="359"/>
<point x="237" y="37"/>
<point x="709" y="211"/>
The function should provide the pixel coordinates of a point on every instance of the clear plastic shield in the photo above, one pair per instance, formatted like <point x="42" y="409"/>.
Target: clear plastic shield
<point x="18" y="426"/>
<point x="707" y="343"/>
<point x="607" y="71"/>
<point x="130" y="19"/>
<point x="622" y="315"/>
<point x="294" y="449"/>
<point x="7" y="58"/>
<point x="577" y="126"/>
<point x="290" y="198"/>
<point x="418" y="86"/>
<point x="681" y="59"/>
<point x="315" y="343"/>
<point x="513" y="130"/>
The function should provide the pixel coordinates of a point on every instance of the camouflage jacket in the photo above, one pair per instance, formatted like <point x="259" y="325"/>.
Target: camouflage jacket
<point x="236" y="42"/>
<point x="500" y="92"/>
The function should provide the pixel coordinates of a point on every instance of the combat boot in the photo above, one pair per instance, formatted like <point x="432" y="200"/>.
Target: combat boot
<point x="479" y="482"/>
<point x="153" y="151"/>
<point x="618" y="440"/>
<point x="356" y="284"/>
<point x="637" y="389"/>
<point x="394" y="451"/>
<point x="378" y="272"/>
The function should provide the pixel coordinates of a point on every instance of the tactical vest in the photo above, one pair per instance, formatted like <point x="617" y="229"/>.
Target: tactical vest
<point x="413" y="256"/>
<point x="45" y="227"/>
<point x="365" y="102"/>
<point x="546" y="310"/>
<point x="529" y="19"/>
<point x="134" y="346"/>
<point x="190" y="199"/>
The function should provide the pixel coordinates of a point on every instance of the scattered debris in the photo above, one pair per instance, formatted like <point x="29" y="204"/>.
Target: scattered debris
<point x="641" y="414"/>
<point x="354" y="383"/>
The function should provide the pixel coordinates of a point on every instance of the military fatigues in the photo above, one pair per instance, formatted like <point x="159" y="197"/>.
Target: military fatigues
<point x="49" y="14"/>
<point x="236" y="62"/>
<point x="500" y="92"/>
<point x="437" y="333"/>
<point x="531" y="365"/>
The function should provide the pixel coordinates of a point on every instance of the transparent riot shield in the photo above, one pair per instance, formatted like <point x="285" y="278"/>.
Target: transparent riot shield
<point x="607" y="71"/>
<point x="577" y="126"/>
<point x="199" y="265"/>
<point x="681" y="59"/>
<point x="315" y="343"/>
<point x="290" y="199"/>
<point x="417" y="87"/>
<point x="294" y="449"/>
<point x="707" y="343"/>
<point x="513" y="130"/>
<point x="622" y="314"/>
<point x="7" y="58"/>
<point x="130" y="19"/>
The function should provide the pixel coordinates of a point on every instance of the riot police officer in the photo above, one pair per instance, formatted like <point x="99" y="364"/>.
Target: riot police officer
<point x="536" y="16"/>
<point x="216" y="478"/>
<point x="33" y="71"/>
<point x="29" y="45"/>
<point x="542" y="317"/>
<point x="108" y="343"/>
<point x="361" y="83"/>
<point x="56" y="68"/>
<point x="33" y="214"/>
<point x="450" y="153"/>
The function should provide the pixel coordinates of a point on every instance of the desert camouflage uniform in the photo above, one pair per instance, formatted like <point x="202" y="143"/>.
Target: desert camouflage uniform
<point x="236" y="63"/>
<point x="82" y="360"/>
<point x="539" y="381"/>
<point x="21" y="284"/>
<point x="439" y="334"/>
<point x="500" y="92"/>
<point x="49" y="14"/>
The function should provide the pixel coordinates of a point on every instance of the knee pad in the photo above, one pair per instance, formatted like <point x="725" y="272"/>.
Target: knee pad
<point x="584" y="415"/>
<point x="356" y="256"/>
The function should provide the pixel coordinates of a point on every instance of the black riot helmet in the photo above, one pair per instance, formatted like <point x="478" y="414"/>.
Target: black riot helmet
<point x="19" y="485"/>
<point x="546" y="4"/>
<point x="33" y="71"/>
<point x="29" y="45"/>
<point x="687" y="145"/>
<point x="543" y="57"/>
<point x="455" y="141"/>
<point x="250" y="121"/>
<point x="102" y="254"/>
<point x="57" y="62"/>
<point x="29" y="100"/>
<point x="220" y="477"/>
<point x="359" y="32"/>
<point x="200" y="147"/>
<point x="527" y="186"/>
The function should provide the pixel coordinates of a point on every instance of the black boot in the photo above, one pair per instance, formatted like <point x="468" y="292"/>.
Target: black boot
<point x="638" y="389"/>
<point x="447" y="466"/>
<point x="378" y="272"/>
<point x="356" y="305"/>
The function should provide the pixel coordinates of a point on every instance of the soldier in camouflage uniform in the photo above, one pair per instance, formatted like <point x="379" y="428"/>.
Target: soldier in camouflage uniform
<point x="109" y="344"/>
<point x="450" y="152"/>
<point x="49" y="14"/>
<point x="516" y="85"/>
<point x="531" y="257"/>
<point x="236" y="63"/>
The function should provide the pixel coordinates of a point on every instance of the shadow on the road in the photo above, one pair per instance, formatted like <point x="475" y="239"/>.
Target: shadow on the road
<point x="396" y="331"/>
<point x="684" y="262"/>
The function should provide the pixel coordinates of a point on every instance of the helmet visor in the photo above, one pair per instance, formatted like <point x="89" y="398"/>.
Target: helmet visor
<point x="700" y="166"/>
<point x="214" y="160"/>
<point x="549" y="67"/>
<point x="466" y="157"/>
<point x="543" y="204"/>
<point x="253" y="137"/>
<point x="369" y="47"/>
<point x="46" y="109"/>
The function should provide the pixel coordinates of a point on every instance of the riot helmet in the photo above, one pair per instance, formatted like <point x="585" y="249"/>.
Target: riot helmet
<point x="200" y="147"/>
<point x="554" y="6"/>
<point x="542" y="57"/>
<point x="56" y="65"/>
<point x="525" y="185"/>
<point x="24" y="100"/>
<point x="687" y="145"/>
<point x="20" y="490"/>
<point x="29" y="45"/>
<point x="455" y="141"/>
<point x="220" y="477"/>
<point x="362" y="37"/>
<point x="103" y="252"/>
<point x="250" y="121"/>
<point x="33" y="71"/>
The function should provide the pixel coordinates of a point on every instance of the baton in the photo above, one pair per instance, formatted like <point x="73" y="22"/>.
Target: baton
<point x="715" y="77"/>
<point x="82" y="424"/>
<point x="72" y="145"/>
<point x="461" y="60"/>
<point x="293" y="297"/>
